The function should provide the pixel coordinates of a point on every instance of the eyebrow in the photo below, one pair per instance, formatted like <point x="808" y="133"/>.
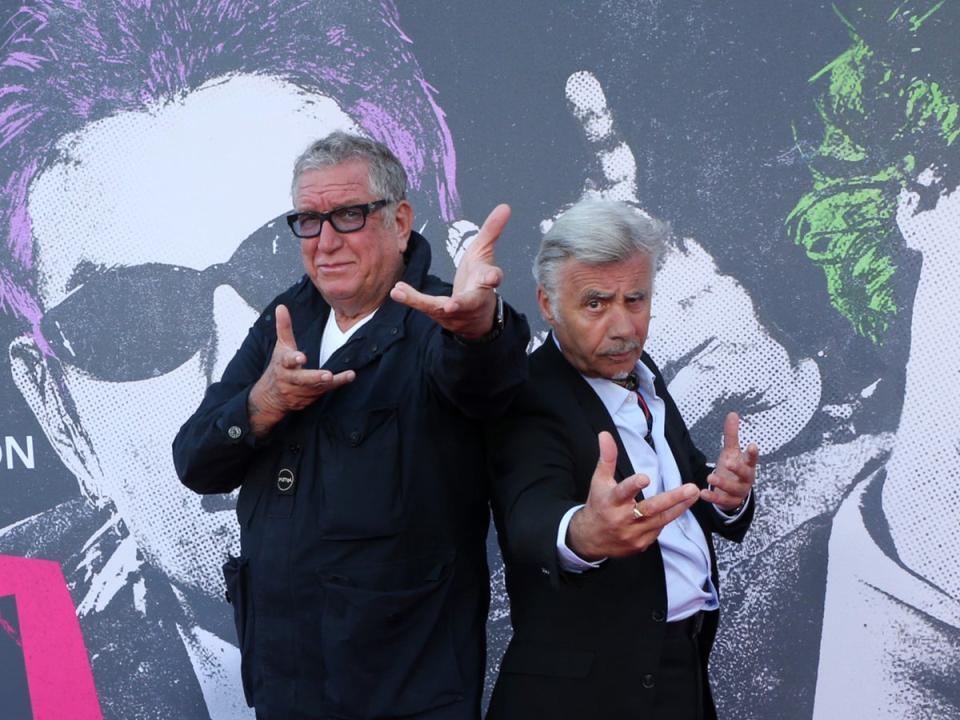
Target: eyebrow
<point x="359" y="203"/>
<point x="593" y="294"/>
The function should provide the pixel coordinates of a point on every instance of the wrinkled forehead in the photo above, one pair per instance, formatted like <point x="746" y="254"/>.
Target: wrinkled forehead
<point x="182" y="182"/>
<point x="608" y="278"/>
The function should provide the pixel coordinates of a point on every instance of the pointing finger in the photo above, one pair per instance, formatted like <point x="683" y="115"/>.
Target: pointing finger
<point x="630" y="488"/>
<point x="411" y="297"/>
<point x="674" y="511"/>
<point x="291" y="360"/>
<point x="681" y="497"/>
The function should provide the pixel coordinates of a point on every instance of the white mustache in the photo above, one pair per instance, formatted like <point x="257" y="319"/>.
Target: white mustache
<point x="619" y="349"/>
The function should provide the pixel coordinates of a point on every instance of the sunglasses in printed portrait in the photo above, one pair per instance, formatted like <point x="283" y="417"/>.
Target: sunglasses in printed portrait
<point x="128" y="323"/>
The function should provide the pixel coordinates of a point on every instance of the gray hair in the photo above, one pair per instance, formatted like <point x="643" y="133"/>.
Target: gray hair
<point x="386" y="177"/>
<point x="596" y="232"/>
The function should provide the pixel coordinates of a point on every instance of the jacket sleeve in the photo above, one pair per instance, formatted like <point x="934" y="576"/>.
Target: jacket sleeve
<point x="212" y="449"/>
<point x="709" y="516"/>
<point x="480" y="379"/>
<point x="533" y="475"/>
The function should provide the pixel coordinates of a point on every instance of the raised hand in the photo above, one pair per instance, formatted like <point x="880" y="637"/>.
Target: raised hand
<point x="612" y="523"/>
<point x="469" y="311"/>
<point x="285" y="386"/>
<point x="736" y="470"/>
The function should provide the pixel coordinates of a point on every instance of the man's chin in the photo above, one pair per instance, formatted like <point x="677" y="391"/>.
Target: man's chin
<point x="619" y="366"/>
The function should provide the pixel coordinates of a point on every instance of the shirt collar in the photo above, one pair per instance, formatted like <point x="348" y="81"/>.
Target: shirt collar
<point x="610" y="393"/>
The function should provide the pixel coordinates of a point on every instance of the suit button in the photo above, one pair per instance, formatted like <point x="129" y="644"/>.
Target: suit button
<point x="647" y="681"/>
<point x="355" y="437"/>
<point x="374" y="348"/>
<point x="234" y="432"/>
<point x="659" y="615"/>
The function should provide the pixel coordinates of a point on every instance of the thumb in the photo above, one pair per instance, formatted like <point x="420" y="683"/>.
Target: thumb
<point x="731" y="432"/>
<point x="606" y="464"/>
<point x="285" y="327"/>
<point x="490" y="231"/>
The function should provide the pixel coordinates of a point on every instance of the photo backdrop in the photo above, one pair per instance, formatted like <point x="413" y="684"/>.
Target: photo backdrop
<point x="805" y="153"/>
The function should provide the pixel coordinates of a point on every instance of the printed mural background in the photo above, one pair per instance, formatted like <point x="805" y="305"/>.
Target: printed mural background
<point x="806" y="154"/>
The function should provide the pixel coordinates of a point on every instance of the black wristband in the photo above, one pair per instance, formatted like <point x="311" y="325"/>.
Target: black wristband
<point x="494" y="332"/>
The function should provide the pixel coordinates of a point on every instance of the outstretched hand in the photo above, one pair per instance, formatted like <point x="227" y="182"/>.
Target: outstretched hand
<point x="469" y="311"/>
<point x="285" y="386"/>
<point x="736" y="470"/>
<point x="607" y="526"/>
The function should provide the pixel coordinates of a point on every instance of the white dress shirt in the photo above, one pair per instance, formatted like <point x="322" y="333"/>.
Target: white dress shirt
<point x="686" y="557"/>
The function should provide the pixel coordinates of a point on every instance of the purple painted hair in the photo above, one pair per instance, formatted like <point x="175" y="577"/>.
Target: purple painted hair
<point x="68" y="63"/>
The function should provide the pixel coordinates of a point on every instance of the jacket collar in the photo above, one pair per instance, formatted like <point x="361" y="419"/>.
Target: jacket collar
<point x="374" y="338"/>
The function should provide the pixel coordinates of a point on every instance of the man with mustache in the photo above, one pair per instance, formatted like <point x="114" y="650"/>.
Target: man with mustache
<point x="610" y="565"/>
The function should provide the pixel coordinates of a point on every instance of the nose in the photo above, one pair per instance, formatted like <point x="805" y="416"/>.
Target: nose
<point x="232" y="317"/>
<point x="329" y="239"/>
<point x="619" y="325"/>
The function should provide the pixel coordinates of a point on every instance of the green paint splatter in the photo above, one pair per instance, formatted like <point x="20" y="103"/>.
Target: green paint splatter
<point x="884" y="118"/>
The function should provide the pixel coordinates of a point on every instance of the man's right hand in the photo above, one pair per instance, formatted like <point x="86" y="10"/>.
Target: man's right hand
<point x="607" y="526"/>
<point x="285" y="386"/>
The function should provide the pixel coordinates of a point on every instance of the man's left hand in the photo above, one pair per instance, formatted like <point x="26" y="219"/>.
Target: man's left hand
<point x="469" y="311"/>
<point x="731" y="480"/>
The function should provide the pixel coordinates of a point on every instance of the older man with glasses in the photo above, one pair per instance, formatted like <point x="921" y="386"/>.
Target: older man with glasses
<point x="351" y="421"/>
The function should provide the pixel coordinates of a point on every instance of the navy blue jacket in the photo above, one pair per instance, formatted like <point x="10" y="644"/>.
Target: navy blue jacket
<point x="362" y="586"/>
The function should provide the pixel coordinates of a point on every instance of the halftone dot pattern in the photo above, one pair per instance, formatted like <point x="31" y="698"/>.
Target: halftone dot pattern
<point x="705" y="333"/>
<point x="921" y="502"/>
<point x="717" y="357"/>
<point x="130" y="426"/>
<point x="615" y="175"/>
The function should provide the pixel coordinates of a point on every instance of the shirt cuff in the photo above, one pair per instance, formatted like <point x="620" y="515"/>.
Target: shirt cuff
<point x="568" y="559"/>
<point x="730" y="519"/>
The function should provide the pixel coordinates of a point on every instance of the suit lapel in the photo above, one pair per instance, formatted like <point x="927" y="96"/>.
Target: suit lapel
<point x="592" y="409"/>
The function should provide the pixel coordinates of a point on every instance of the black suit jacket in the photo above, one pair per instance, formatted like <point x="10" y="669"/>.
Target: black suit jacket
<point x="584" y="645"/>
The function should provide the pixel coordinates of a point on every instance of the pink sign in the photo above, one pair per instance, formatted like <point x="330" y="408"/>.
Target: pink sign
<point x="58" y="670"/>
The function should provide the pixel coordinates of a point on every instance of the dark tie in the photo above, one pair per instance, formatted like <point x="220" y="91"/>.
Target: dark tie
<point x="631" y="383"/>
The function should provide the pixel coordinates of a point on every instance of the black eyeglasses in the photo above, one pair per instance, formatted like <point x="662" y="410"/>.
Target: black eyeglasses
<point x="142" y="321"/>
<point x="344" y="220"/>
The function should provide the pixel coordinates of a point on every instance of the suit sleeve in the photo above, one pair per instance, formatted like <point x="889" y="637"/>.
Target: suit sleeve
<point x="480" y="379"/>
<point x="533" y="475"/>
<point x="215" y="445"/>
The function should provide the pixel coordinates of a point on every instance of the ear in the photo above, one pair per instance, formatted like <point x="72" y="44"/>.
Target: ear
<point x="543" y="300"/>
<point x="404" y="220"/>
<point x="41" y="381"/>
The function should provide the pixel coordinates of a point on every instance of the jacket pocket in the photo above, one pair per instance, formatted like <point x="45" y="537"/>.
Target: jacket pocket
<point x="236" y="576"/>
<point x="389" y="652"/>
<point x="360" y="475"/>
